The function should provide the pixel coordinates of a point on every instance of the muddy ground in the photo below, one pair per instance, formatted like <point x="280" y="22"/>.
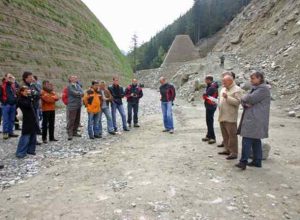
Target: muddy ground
<point x="147" y="174"/>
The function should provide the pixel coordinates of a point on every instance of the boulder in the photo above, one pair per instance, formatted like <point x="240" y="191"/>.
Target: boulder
<point x="292" y="114"/>
<point x="198" y="85"/>
<point x="237" y="39"/>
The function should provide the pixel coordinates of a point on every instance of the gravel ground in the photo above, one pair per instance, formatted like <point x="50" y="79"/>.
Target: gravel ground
<point x="17" y="169"/>
<point x="150" y="175"/>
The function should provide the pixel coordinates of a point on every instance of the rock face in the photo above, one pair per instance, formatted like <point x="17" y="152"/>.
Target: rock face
<point x="181" y="50"/>
<point x="57" y="38"/>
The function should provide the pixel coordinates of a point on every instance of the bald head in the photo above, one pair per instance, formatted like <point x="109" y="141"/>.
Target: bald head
<point x="134" y="82"/>
<point x="227" y="81"/>
<point x="162" y="80"/>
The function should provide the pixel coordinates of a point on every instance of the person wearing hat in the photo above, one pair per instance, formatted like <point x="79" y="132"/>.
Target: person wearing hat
<point x="92" y="102"/>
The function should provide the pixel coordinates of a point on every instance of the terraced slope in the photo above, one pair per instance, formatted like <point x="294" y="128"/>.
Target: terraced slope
<point x="55" y="38"/>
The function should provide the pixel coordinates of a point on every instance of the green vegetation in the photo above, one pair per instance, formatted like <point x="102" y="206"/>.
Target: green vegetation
<point x="204" y="19"/>
<point x="63" y="37"/>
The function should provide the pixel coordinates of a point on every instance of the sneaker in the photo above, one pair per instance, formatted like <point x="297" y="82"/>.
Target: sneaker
<point x="126" y="129"/>
<point x="211" y="141"/>
<point x="1" y="166"/>
<point x="129" y="125"/>
<point x="112" y="133"/>
<point x="136" y="125"/>
<point x="70" y="138"/>
<point x="171" y="131"/>
<point x="38" y="143"/>
<point x="98" y="136"/>
<point x="166" y="130"/>
<point x="205" y="139"/>
<point x="220" y="145"/>
<point x="31" y="153"/>
<point x="5" y="136"/>
<point x="116" y="129"/>
<point x="92" y="138"/>
<point x="45" y="141"/>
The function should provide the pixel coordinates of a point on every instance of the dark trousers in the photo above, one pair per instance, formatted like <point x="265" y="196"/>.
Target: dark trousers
<point x="210" y="112"/>
<point x="256" y="146"/>
<point x="27" y="144"/>
<point x="48" y="124"/>
<point x="0" y="115"/>
<point x="73" y="121"/>
<point x="133" y="107"/>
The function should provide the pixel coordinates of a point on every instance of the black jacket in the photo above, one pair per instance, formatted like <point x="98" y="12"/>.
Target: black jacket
<point x="167" y="92"/>
<point x="30" y="121"/>
<point x="117" y="93"/>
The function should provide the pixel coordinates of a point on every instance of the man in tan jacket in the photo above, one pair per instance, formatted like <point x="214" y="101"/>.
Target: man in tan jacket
<point x="230" y="99"/>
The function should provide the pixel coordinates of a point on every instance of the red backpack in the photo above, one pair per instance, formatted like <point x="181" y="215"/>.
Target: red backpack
<point x="65" y="95"/>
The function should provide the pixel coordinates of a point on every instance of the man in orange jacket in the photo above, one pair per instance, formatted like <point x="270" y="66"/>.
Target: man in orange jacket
<point x="49" y="98"/>
<point x="92" y="101"/>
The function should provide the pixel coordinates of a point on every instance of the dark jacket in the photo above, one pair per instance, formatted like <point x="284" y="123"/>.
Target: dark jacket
<point x="117" y="93"/>
<point x="211" y="91"/>
<point x="8" y="93"/>
<point x="136" y="90"/>
<point x="30" y="121"/>
<point x="255" y="118"/>
<point x="167" y="92"/>
<point x="35" y="93"/>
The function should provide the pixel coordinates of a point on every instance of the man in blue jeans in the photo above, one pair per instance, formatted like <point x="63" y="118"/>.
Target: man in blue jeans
<point x="8" y="99"/>
<point x="118" y="94"/>
<point x="168" y="94"/>
<point x="106" y="99"/>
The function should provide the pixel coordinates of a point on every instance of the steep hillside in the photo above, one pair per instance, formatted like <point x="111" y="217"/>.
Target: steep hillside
<point x="204" y="19"/>
<point x="266" y="35"/>
<point x="55" y="38"/>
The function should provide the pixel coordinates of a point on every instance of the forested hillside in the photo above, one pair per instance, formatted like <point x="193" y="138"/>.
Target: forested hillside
<point x="204" y="19"/>
<point x="55" y="38"/>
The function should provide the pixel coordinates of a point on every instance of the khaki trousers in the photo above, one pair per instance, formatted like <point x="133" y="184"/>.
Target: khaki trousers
<point x="229" y="133"/>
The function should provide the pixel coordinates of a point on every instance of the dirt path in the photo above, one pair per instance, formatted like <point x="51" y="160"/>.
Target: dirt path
<point x="149" y="175"/>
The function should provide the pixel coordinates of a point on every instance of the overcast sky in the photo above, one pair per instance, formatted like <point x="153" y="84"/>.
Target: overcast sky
<point x="123" y="18"/>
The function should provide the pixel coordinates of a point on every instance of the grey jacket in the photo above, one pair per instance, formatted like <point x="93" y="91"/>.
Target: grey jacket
<point x="255" y="119"/>
<point x="75" y="94"/>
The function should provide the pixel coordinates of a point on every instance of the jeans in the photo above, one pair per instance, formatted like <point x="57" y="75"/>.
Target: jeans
<point x="109" y="121"/>
<point x="166" y="108"/>
<point x="131" y="106"/>
<point x="9" y="113"/>
<point x="256" y="145"/>
<point x="93" y="124"/>
<point x="120" y="108"/>
<point x="48" y="124"/>
<point x="210" y="112"/>
<point x="27" y="144"/>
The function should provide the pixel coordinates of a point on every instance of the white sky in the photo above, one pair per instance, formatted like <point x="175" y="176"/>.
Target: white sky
<point x="123" y="18"/>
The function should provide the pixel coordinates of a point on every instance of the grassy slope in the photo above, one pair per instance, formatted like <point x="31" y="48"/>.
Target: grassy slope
<point x="56" y="38"/>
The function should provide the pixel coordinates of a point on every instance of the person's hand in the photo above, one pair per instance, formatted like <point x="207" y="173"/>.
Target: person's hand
<point x="225" y="96"/>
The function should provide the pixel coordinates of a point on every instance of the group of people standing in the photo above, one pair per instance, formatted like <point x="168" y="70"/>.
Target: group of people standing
<point x="37" y="102"/>
<point x="254" y="124"/>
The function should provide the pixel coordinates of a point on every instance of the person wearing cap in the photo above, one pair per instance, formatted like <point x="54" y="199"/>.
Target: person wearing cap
<point x="92" y="102"/>
<point x="8" y="99"/>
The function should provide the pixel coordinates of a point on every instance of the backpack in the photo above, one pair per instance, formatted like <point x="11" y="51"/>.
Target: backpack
<point x="65" y="95"/>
